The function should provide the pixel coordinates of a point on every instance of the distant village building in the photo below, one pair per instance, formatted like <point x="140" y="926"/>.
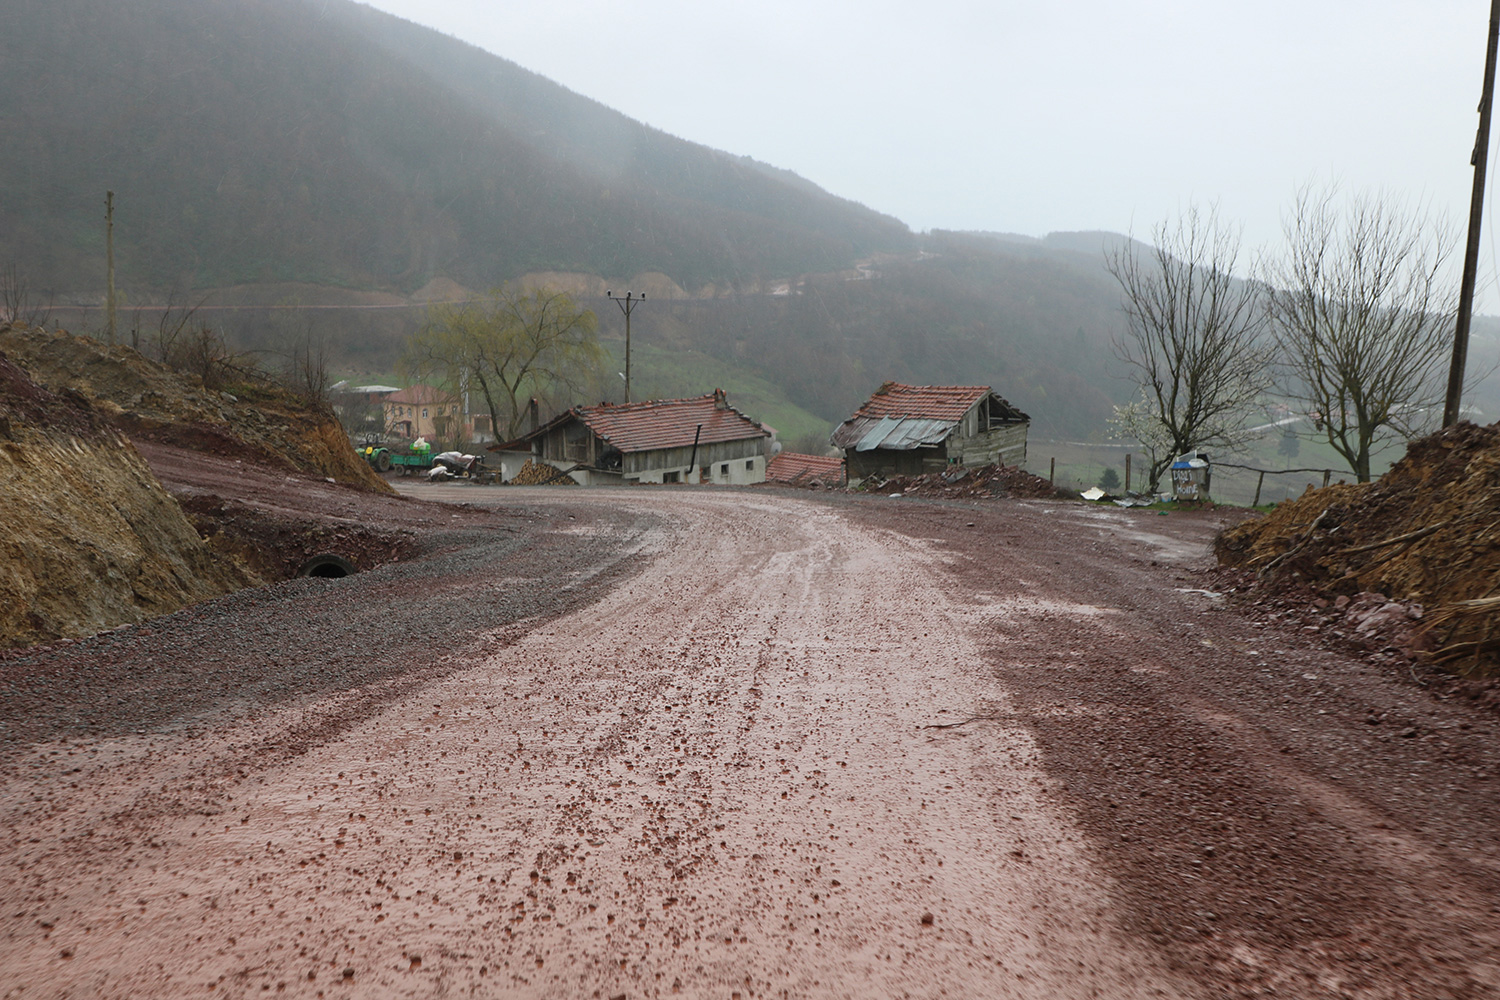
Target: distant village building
<point x="359" y="408"/>
<point x="373" y="393"/>
<point x="422" y="411"/>
<point x="702" y="439"/>
<point x="911" y="430"/>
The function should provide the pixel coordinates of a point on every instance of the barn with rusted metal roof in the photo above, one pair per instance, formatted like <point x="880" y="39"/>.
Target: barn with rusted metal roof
<point x="701" y="439"/>
<point x="912" y="430"/>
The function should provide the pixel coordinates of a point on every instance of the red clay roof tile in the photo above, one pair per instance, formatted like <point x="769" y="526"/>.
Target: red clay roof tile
<point x="668" y="423"/>
<point x="791" y="467"/>
<point x="922" y="402"/>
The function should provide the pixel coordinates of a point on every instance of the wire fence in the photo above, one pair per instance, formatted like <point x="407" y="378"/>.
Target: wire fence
<point x="1231" y="482"/>
<point x="1246" y="484"/>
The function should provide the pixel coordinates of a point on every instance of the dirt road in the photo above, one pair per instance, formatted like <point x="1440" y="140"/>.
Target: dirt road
<point x="769" y="746"/>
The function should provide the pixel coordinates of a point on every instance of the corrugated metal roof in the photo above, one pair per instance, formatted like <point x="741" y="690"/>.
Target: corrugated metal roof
<point x="791" y="467"/>
<point x="668" y="423"/>
<point x="899" y="435"/>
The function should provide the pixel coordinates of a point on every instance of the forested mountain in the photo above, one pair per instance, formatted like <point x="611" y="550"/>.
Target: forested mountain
<point x="288" y="147"/>
<point x="1033" y="318"/>
<point x="326" y="142"/>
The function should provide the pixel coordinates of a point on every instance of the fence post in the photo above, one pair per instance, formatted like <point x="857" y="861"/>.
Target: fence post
<point x="1258" y="482"/>
<point x="1052" y="470"/>
<point x="1127" y="472"/>
<point x="1327" y="475"/>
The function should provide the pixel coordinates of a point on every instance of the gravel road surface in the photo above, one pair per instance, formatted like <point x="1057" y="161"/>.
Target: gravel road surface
<point x="632" y="743"/>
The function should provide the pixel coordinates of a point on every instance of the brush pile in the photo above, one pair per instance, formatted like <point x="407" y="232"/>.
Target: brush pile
<point x="960" y="483"/>
<point x="540" y="474"/>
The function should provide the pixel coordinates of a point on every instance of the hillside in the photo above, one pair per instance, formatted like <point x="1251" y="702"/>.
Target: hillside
<point x="328" y="143"/>
<point x="321" y="169"/>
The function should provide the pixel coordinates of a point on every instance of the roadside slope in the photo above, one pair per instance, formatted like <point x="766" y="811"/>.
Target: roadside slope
<point x="88" y="538"/>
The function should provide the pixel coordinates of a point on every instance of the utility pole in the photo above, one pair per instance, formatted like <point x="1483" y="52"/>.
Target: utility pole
<point x="627" y="305"/>
<point x="1476" y="212"/>
<point x="109" y="259"/>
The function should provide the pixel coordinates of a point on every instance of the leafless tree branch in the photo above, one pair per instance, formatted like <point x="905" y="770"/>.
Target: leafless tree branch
<point x="1193" y="344"/>
<point x="1360" y="313"/>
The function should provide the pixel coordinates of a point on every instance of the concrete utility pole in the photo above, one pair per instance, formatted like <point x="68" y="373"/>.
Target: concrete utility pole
<point x="1476" y="213"/>
<point x="109" y="259"/>
<point x="627" y="306"/>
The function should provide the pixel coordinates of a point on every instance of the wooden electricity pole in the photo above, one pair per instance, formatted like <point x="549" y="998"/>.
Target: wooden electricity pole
<point x="1454" y="397"/>
<point x="627" y="306"/>
<point x="109" y="259"/>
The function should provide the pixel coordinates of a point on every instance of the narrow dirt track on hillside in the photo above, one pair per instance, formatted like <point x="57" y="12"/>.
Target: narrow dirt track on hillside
<point x="799" y="749"/>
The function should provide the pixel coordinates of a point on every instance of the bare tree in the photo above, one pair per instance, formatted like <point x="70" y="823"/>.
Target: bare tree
<point x="16" y="303"/>
<point x="1193" y="345"/>
<point x="301" y="359"/>
<point x="506" y="348"/>
<point x="1361" y="316"/>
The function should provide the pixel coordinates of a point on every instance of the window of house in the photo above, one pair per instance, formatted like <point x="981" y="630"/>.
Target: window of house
<point x="724" y="469"/>
<point x="750" y="465"/>
<point x="424" y="411"/>
<point x="671" y="477"/>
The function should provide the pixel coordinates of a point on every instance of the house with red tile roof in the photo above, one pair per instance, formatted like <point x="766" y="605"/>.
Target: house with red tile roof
<point x="701" y="439"/>
<point x="912" y="430"/>
<point x="796" y="469"/>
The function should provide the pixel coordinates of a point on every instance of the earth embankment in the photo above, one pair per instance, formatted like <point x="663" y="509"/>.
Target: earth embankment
<point x="237" y="488"/>
<point x="1426" y="534"/>
<point x="89" y="539"/>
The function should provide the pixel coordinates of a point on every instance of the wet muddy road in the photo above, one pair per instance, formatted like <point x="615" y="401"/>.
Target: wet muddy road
<point x="786" y="748"/>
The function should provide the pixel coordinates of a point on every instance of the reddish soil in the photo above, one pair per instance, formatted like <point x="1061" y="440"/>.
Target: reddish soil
<point x="605" y="743"/>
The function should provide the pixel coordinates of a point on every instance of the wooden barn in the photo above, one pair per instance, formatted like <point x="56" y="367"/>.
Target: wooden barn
<point x="911" y="430"/>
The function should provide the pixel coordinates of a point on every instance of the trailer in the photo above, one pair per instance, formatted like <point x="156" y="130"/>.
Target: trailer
<point x="405" y="462"/>
<point x="421" y="461"/>
<point x="414" y="463"/>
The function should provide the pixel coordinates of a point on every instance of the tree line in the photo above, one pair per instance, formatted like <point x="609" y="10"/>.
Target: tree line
<point x="1347" y="325"/>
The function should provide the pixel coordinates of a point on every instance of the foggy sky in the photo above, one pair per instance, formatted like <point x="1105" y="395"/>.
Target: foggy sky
<point x="1037" y="116"/>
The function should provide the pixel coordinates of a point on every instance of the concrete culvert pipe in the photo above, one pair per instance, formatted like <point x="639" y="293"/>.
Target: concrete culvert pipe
<point x="328" y="566"/>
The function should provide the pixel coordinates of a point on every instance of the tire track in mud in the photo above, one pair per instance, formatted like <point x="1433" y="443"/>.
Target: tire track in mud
<point x="715" y="781"/>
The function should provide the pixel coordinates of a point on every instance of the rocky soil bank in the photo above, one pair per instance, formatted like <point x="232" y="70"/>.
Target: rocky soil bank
<point x="252" y="418"/>
<point x="89" y="539"/>
<point x="132" y="489"/>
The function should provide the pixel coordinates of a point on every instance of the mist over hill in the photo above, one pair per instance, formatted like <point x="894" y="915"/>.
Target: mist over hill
<point x="326" y="142"/>
<point x="321" y="145"/>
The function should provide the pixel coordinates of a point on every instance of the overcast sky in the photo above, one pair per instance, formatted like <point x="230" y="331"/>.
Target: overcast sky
<point x="1032" y="116"/>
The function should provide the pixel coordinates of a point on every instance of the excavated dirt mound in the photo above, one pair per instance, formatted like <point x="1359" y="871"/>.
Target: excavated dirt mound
<point x="1421" y="544"/>
<point x="960" y="483"/>
<point x="89" y="539"/>
<point x="152" y="402"/>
